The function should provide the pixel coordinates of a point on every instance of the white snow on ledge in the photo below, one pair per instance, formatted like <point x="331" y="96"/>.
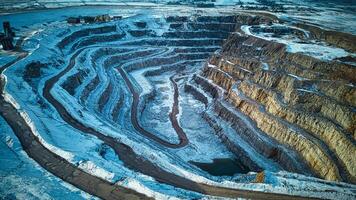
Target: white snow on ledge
<point x="91" y="168"/>
<point x="66" y="155"/>
<point x="138" y="186"/>
<point x="276" y="182"/>
<point x="317" y="50"/>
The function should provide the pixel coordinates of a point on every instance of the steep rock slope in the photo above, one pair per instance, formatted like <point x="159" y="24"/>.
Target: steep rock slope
<point x="301" y="103"/>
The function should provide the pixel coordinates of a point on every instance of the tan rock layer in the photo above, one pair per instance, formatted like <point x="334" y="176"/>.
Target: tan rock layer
<point x="302" y="102"/>
<point x="339" y="39"/>
<point x="287" y="85"/>
<point x="266" y="146"/>
<point x="323" y="129"/>
<point x="218" y="77"/>
<point x="306" y="101"/>
<point x="313" y="155"/>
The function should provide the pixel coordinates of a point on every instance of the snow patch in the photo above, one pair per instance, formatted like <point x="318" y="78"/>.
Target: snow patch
<point x="313" y="48"/>
<point x="64" y="154"/>
<point x="91" y="168"/>
<point x="9" y="141"/>
<point x="138" y="186"/>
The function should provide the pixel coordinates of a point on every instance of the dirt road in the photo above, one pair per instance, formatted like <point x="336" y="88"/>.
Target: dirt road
<point x="144" y="166"/>
<point x="183" y="140"/>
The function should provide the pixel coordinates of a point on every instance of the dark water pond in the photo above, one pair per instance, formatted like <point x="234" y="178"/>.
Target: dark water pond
<point x="222" y="167"/>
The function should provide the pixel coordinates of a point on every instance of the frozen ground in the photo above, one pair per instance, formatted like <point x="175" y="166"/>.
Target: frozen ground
<point x="97" y="158"/>
<point x="294" y="44"/>
<point x="23" y="178"/>
<point x="336" y="15"/>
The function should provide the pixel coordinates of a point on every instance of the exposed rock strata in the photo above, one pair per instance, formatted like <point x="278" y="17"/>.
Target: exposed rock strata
<point x="293" y="109"/>
<point x="343" y="40"/>
<point x="303" y="103"/>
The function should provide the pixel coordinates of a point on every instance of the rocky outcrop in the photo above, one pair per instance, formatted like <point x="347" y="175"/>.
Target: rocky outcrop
<point x="293" y="112"/>
<point x="342" y="40"/>
<point x="302" y="103"/>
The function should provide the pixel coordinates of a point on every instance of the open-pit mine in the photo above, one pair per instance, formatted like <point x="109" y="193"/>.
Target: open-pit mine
<point x="178" y="100"/>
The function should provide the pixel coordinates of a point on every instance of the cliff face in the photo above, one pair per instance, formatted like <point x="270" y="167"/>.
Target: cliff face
<point x="302" y="104"/>
<point x="343" y="40"/>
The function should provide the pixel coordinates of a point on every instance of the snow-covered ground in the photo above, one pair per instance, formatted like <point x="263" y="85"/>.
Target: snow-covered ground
<point x="23" y="178"/>
<point x="337" y="15"/>
<point x="312" y="48"/>
<point x="334" y="15"/>
<point x="95" y="157"/>
<point x="205" y="145"/>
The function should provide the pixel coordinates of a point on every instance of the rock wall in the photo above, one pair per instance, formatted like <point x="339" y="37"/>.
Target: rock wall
<point x="301" y="103"/>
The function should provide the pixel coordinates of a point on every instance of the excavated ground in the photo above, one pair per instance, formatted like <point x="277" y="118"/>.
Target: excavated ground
<point x="170" y="84"/>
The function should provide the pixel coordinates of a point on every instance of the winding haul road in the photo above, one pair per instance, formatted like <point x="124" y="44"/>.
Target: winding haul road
<point x="51" y="161"/>
<point x="142" y="165"/>
<point x="183" y="140"/>
<point x="95" y="185"/>
<point x="58" y="165"/>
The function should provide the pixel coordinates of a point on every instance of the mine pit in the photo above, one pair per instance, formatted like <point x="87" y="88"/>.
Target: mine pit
<point x="209" y="104"/>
